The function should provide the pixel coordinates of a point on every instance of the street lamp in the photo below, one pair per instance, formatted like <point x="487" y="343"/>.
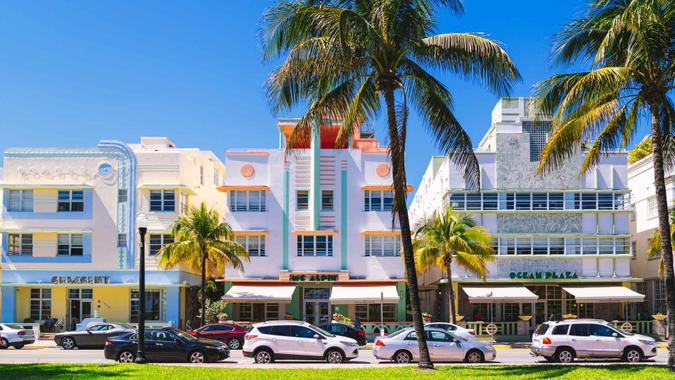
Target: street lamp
<point x="142" y="224"/>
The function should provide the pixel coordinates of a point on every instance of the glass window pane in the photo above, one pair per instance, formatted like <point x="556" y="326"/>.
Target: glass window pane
<point x="589" y="246"/>
<point x="507" y="246"/>
<point x="606" y="246"/>
<point x="573" y="246"/>
<point x="473" y="201"/>
<point x="489" y="201"/>
<point x="522" y="201"/>
<point x="555" y="201"/>
<point x="523" y="246"/>
<point x="387" y="201"/>
<point x="540" y="246"/>
<point x="457" y="201"/>
<point x="376" y="201"/>
<point x="588" y="201"/>
<point x="253" y="201"/>
<point x="539" y="201"/>
<point x="605" y="201"/>
<point x="27" y="200"/>
<point x="556" y="246"/>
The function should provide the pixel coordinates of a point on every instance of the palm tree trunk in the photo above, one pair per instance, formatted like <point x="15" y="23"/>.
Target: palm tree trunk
<point x="399" y="185"/>
<point x="451" y="292"/>
<point x="203" y="316"/>
<point x="664" y="230"/>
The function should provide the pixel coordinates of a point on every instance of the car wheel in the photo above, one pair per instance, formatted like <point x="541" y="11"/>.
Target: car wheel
<point x="403" y="357"/>
<point x="474" y="356"/>
<point x="197" y="357"/>
<point x="334" y="357"/>
<point x="632" y="355"/>
<point x="68" y="343"/>
<point x="264" y="356"/>
<point x="3" y="344"/>
<point x="233" y="344"/>
<point x="564" y="355"/>
<point x="18" y="346"/>
<point x="126" y="357"/>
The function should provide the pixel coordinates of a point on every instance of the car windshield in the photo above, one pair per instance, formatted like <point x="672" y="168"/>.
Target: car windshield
<point x="15" y="327"/>
<point x="541" y="329"/>
<point x="322" y="331"/>
<point x="185" y="335"/>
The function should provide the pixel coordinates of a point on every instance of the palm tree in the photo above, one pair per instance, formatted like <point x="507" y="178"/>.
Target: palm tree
<point x="205" y="243"/>
<point x="345" y="56"/>
<point x="628" y="46"/>
<point x="654" y="249"/>
<point x="449" y="236"/>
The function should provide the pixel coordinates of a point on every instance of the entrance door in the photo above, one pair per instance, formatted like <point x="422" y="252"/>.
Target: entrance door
<point x="317" y="305"/>
<point x="540" y="313"/>
<point x="79" y="306"/>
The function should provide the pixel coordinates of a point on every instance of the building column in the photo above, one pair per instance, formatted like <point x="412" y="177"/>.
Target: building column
<point x="172" y="305"/>
<point x="315" y="183"/>
<point x="8" y="303"/>
<point x="285" y="220"/>
<point x="343" y="217"/>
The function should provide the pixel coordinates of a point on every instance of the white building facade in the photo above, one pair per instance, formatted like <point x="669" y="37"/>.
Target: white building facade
<point x="561" y="240"/>
<point x="318" y="227"/>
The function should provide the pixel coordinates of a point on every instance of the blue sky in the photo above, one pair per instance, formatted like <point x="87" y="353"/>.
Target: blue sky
<point x="74" y="72"/>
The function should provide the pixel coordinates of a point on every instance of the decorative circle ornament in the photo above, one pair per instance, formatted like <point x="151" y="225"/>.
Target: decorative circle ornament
<point x="627" y="327"/>
<point x="247" y="170"/>
<point x="105" y="170"/>
<point x="383" y="170"/>
<point x="491" y="329"/>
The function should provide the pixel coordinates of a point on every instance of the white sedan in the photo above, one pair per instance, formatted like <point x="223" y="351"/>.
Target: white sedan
<point x="468" y="334"/>
<point x="15" y="336"/>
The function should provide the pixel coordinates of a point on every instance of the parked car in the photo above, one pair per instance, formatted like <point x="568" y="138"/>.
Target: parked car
<point x="165" y="345"/>
<point x="343" y="330"/>
<point x="468" y="334"/>
<point x="563" y="341"/>
<point x="94" y="336"/>
<point x="278" y="340"/>
<point x="401" y="347"/>
<point x="12" y="335"/>
<point x="229" y="333"/>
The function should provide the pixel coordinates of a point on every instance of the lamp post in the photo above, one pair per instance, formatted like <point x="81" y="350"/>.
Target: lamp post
<point x="142" y="223"/>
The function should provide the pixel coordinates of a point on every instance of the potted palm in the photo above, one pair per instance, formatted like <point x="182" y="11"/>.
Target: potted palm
<point x="426" y="317"/>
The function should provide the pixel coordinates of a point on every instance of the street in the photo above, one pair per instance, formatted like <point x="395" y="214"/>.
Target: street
<point x="519" y="356"/>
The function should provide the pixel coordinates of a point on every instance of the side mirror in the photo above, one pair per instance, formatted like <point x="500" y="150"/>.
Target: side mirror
<point x="317" y="336"/>
<point x="615" y="335"/>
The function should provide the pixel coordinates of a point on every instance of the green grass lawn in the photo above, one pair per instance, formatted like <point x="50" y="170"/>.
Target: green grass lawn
<point x="150" y="372"/>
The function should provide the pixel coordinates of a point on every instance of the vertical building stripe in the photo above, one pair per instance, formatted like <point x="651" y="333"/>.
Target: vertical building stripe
<point x="285" y="222"/>
<point x="315" y="185"/>
<point x="343" y="218"/>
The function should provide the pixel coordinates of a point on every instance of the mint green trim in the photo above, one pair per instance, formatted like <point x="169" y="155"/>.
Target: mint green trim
<point x="343" y="219"/>
<point x="315" y="186"/>
<point x="403" y="299"/>
<point x="285" y="222"/>
<point x="293" y="308"/>
<point x="227" y="285"/>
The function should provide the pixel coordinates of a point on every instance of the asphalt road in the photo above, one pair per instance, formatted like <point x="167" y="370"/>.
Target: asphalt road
<point x="57" y="355"/>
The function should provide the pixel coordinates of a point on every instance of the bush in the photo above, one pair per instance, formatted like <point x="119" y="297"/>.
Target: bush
<point x="213" y="310"/>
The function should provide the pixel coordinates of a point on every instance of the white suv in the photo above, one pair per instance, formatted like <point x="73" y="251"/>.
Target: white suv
<point x="277" y="340"/>
<point x="562" y="341"/>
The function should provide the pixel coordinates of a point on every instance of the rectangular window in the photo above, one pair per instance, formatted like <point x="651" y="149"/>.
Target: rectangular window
<point x="153" y="305"/>
<point x="605" y="201"/>
<point x="157" y="241"/>
<point x="572" y="201"/>
<point x="651" y="208"/>
<point x="40" y="304"/>
<point x="620" y="246"/>
<point x="621" y="201"/>
<point x="201" y="175"/>
<point x="388" y="246"/>
<point x="589" y="246"/>
<point x="606" y="246"/>
<point x="70" y="245"/>
<point x="540" y="246"/>
<point x="523" y="246"/>
<point x="457" y="201"/>
<point x="163" y="200"/>
<point x="121" y="240"/>
<point x="375" y="200"/>
<point x="20" y="200"/>
<point x="509" y="201"/>
<point x="555" y="201"/>
<point x="254" y="244"/>
<point x="71" y="201"/>
<point x="20" y="244"/>
<point x="302" y="199"/>
<point x="315" y="245"/>
<point x="490" y="201"/>
<point x="371" y="312"/>
<point x="507" y="246"/>
<point x="589" y="201"/>
<point x="473" y="201"/>
<point x="539" y="201"/>
<point x="327" y="200"/>
<point x="573" y="246"/>
<point x="122" y="195"/>
<point x="523" y="201"/>
<point x="556" y="246"/>
<point x="216" y="177"/>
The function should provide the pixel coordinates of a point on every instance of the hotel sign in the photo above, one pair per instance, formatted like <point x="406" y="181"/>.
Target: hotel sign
<point x="543" y="275"/>
<point x="80" y="279"/>
<point x="313" y="277"/>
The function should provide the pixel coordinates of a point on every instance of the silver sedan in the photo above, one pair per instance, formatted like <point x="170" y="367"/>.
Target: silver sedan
<point x="401" y="347"/>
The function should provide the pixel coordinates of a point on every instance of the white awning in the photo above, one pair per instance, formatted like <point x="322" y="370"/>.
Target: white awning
<point x="274" y="294"/>
<point x="604" y="294"/>
<point x="364" y="294"/>
<point x="512" y="294"/>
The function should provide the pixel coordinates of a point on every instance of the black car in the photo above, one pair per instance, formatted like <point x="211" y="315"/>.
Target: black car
<point x="166" y="345"/>
<point x="348" y="331"/>
<point x="93" y="336"/>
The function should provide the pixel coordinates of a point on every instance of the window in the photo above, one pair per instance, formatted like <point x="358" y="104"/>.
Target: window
<point x="457" y="201"/>
<point x="600" y="330"/>
<point x="573" y="246"/>
<point x="183" y="203"/>
<point x="153" y="305"/>
<point x="383" y="245"/>
<point x="579" y="329"/>
<point x="560" y="330"/>
<point x="371" y="312"/>
<point x="302" y="199"/>
<point x="326" y="199"/>
<point x="302" y="332"/>
<point x="70" y="245"/>
<point x="540" y="246"/>
<point x="606" y="246"/>
<point x="376" y="200"/>
<point x="589" y="246"/>
<point x="439" y="336"/>
<point x="315" y="245"/>
<point x="121" y="240"/>
<point x="538" y="131"/>
<point x="78" y="294"/>
<point x="40" y="303"/>
<point x="201" y="175"/>
<point x="162" y="200"/>
<point x="247" y="201"/>
<point x="254" y="244"/>
<point x="589" y="201"/>
<point x="473" y="201"/>
<point x="523" y="246"/>
<point x="216" y="177"/>
<point x="539" y="201"/>
<point x="490" y="201"/>
<point x="20" y="244"/>
<point x="20" y="200"/>
<point x="157" y="241"/>
<point x="523" y="201"/>
<point x="651" y="208"/>
<point x="556" y="246"/>
<point x="555" y="201"/>
<point x="260" y="312"/>
<point x="71" y="201"/>
<point x="507" y="246"/>
<point x="122" y="195"/>
<point x="605" y="201"/>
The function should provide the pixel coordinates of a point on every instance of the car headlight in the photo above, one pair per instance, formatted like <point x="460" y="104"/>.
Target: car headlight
<point x="211" y="347"/>
<point x="647" y="341"/>
<point x="349" y="344"/>
<point x="489" y="348"/>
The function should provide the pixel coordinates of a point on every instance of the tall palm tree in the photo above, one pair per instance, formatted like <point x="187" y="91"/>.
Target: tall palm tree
<point x="654" y="249"/>
<point x="205" y="243"/>
<point x="344" y="57"/>
<point x="628" y="47"/>
<point x="448" y="236"/>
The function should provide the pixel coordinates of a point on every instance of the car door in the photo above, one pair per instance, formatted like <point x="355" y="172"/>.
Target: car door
<point x="87" y="337"/>
<point x="165" y="346"/>
<point x="100" y="335"/>
<point x="410" y="344"/>
<point x="604" y="343"/>
<point x="444" y="347"/>
<point x="221" y="332"/>
<point x="306" y="344"/>
<point x="580" y="340"/>
<point x="282" y="341"/>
